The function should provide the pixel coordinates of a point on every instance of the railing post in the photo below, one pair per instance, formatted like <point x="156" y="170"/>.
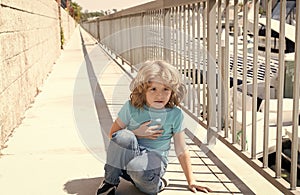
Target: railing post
<point x="244" y="87"/>
<point x="98" y="30"/>
<point x="167" y="35"/>
<point x="278" y="163"/>
<point x="267" y="84"/>
<point x="296" y="86"/>
<point x="211" y="70"/>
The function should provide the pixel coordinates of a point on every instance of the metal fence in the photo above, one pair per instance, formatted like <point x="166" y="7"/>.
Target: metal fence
<point x="236" y="89"/>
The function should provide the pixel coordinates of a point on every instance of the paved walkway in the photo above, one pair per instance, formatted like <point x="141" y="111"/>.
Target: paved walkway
<point x="59" y="148"/>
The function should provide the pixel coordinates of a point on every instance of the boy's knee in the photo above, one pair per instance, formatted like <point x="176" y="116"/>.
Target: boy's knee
<point x="145" y="162"/>
<point x="124" y="138"/>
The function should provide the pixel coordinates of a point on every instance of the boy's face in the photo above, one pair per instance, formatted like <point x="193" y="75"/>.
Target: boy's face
<point x="157" y="95"/>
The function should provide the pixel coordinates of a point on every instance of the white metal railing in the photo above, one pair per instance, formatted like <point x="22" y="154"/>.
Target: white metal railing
<point x="225" y="77"/>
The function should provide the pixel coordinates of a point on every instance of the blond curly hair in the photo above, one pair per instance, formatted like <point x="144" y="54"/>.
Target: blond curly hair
<point x="160" y="71"/>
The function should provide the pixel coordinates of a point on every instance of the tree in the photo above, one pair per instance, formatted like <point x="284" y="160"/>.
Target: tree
<point x="75" y="11"/>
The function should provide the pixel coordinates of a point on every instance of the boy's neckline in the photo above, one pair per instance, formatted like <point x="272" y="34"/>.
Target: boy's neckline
<point x="155" y="109"/>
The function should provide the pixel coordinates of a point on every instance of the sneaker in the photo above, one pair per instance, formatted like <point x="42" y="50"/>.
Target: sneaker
<point x="164" y="183"/>
<point x="106" y="189"/>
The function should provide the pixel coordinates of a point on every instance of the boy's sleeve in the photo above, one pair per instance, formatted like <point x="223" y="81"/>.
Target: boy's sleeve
<point x="178" y="122"/>
<point x="124" y="113"/>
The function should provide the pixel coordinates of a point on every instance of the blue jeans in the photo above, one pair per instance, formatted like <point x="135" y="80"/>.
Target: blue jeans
<point x="125" y="158"/>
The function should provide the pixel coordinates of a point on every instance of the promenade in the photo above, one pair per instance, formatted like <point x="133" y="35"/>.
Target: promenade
<point x="59" y="148"/>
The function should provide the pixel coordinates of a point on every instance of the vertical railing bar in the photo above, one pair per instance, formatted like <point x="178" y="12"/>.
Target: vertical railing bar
<point x="234" y="89"/>
<point x="198" y="60"/>
<point x="176" y="30"/>
<point x="115" y="46"/>
<point x="166" y="26"/>
<point x="101" y="31"/>
<point x="158" y="54"/>
<point x="184" y="51"/>
<point x="180" y="42"/>
<point x="193" y="61"/>
<point x="220" y="67"/>
<point x="280" y="88"/>
<point x="152" y="35"/>
<point x="98" y="30"/>
<point x="130" y="60"/>
<point x="245" y="57"/>
<point x="132" y="37"/>
<point x="160" y="40"/>
<point x="148" y="37"/>
<point x="137" y="51"/>
<point x="169" y="29"/>
<point x="106" y="34"/>
<point x="116" y="30"/>
<point x="144" y="31"/>
<point x="153" y="39"/>
<point x="225" y="67"/>
<point x="140" y="27"/>
<point x="112" y="44"/>
<point x="172" y="29"/>
<point x="126" y="54"/>
<point x="174" y="19"/>
<point x="161" y="24"/>
<point x="204" y="86"/>
<point x="267" y="83"/>
<point x="188" y="53"/>
<point x="211" y="70"/>
<point x="127" y="38"/>
<point x="254" y="86"/>
<point x="130" y="41"/>
<point x="157" y="36"/>
<point x="296" y="86"/>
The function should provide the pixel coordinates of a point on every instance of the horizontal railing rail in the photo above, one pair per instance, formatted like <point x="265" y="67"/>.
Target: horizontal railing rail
<point x="243" y="94"/>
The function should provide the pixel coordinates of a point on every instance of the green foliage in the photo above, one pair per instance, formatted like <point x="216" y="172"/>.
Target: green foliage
<point x="79" y="16"/>
<point x="75" y="11"/>
<point x="262" y="11"/>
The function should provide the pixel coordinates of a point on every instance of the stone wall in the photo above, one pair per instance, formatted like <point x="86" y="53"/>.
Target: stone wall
<point x="29" y="46"/>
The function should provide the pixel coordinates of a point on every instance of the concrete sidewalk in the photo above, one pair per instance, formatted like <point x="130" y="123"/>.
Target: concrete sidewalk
<point x="59" y="149"/>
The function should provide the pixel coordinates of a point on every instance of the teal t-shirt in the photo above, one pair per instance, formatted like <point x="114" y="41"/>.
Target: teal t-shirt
<point x="169" y="118"/>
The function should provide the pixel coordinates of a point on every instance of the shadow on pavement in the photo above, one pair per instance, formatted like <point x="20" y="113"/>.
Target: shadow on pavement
<point x="88" y="186"/>
<point x="83" y="186"/>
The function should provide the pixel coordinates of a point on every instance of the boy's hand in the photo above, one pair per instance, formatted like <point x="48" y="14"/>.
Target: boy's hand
<point x="194" y="188"/>
<point x="149" y="132"/>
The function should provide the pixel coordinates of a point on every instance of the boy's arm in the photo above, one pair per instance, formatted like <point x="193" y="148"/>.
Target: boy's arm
<point x="183" y="156"/>
<point x="116" y="126"/>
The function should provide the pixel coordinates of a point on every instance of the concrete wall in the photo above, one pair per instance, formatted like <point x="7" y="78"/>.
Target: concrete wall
<point x="29" y="46"/>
